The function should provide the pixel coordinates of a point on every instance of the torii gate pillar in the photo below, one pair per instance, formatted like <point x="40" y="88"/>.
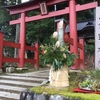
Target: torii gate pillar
<point x="22" y="40"/>
<point x="73" y="29"/>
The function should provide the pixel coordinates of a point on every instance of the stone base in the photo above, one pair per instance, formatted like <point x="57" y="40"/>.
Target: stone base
<point x="10" y="69"/>
<point x="27" y="95"/>
<point x="59" y="78"/>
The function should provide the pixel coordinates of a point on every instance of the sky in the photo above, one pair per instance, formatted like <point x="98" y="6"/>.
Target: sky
<point x="24" y="0"/>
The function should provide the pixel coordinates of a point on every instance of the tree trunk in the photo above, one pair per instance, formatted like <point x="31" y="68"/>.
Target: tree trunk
<point x="17" y="39"/>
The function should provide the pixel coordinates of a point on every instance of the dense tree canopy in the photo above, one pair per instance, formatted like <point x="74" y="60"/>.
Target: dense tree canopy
<point x="39" y="30"/>
<point x="87" y="14"/>
<point x="5" y="18"/>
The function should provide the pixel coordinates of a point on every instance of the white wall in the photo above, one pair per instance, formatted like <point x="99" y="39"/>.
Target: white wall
<point x="97" y="38"/>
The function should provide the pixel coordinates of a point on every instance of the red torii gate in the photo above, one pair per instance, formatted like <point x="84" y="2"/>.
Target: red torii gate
<point x="32" y="5"/>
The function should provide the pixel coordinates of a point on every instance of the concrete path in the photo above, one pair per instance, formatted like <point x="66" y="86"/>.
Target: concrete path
<point x="11" y="84"/>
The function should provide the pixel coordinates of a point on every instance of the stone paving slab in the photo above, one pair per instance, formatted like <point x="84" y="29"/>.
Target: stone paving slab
<point x="11" y="96"/>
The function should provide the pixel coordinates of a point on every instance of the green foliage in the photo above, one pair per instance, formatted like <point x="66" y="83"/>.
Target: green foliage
<point x="87" y="14"/>
<point x="96" y="74"/>
<point x="96" y="79"/>
<point x="89" y="79"/>
<point x="57" y="56"/>
<point x="39" y="30"/>
<point x="90" y="49"/>
<point x="5" y="18"/>
<point x="85" y="1"/>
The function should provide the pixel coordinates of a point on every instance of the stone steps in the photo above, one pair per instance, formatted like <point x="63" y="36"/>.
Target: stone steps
<point x="12" y="84"/>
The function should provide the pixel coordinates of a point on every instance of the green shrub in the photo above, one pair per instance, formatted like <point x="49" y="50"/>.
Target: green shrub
<point x="90" y="49"/>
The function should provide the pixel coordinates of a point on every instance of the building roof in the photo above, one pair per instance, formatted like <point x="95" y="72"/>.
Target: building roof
<point x="85" y="29"/>
<point x="81" y="25"/>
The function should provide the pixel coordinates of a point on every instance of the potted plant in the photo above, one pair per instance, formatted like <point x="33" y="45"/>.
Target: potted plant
<point x="89" y="80"/>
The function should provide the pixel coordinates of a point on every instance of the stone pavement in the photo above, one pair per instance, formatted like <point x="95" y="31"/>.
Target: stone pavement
<point x="12" y="84"/>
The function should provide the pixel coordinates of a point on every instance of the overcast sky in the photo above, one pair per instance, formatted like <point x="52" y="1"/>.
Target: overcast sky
<point x="24" y="0"/>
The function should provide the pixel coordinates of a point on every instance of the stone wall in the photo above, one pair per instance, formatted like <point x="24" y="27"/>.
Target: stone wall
<point x="27" y="95"/>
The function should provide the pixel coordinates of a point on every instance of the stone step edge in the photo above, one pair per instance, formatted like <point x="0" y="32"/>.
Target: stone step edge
<point x="22" y="78"/>
<point x="9" y="96"/>
<point x="19" y="85"/>
<point x="7" y="88"/>
<point x="34" y="81"/>
<point x="43" y="77"/>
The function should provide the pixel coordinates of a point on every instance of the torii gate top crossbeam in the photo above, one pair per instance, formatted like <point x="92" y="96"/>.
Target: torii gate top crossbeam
<point x="32" y="5"/>
<point x="56" y="13"/>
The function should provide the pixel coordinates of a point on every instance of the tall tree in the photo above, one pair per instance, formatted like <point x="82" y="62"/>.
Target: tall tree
<point x="39" y="30"/>
<point x="5" y="18"/>
<point x="9" y="31"/>
<point x="87" y="14"/>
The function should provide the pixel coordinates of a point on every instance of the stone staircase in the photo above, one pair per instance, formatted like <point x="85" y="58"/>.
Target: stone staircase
<point x="12" y="84"/>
